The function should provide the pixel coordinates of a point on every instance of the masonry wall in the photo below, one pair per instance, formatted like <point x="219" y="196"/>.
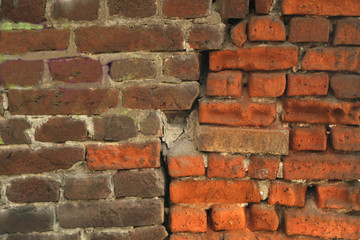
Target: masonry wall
<point x="179" y="119"/>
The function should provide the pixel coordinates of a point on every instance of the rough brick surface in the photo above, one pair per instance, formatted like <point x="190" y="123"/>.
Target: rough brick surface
<point x="228" y="217"/>
<point x="12" y="131"/>
<point x="311" y="84"/>
<point x="345" y="138"/>
<point x="186" y="165"/>
<point x="266" y="84"/>
<point x="288" y="194"/>
<point x="75" y="10"/>
<point x="132" y="68"/>
<point x="132" y="8"/>
<point x="206" y="37"/>
<point x="23" y="11"/>
<point x="185" y="67"/>
<point x="139" y="233"/>
<point x="345" y="86"/>
<point x="186" y="9"/>
<point x="21" y="73"/>
<point x="266" y="28"/>
<point x="263" y="6"/>
<point x="152" y="125"/>
<point x="224" y="84"/>
<point x="312" y="138"/>
<point x="263" y="217"/>
<point x="87" y="187"/>
<point x="229" y="166"/>
<point x="238" y="34"/>
<point x="234" y="8"/>
<point x="347" y="32"/>
<point x="114" y="128"/>
<point x="338" y="196"/>
<point x="263" y="167"/>
<point x="187" y="219"/>
<point x="308" y="29"/>
<point x="44" y="236"/>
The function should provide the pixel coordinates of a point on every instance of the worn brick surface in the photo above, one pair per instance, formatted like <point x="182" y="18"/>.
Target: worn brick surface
<point x="132" y="68"/>
<point x="308" y="29"/>
<point x="87" y="187"/>
<point x="344" y="138"/>
<point x="347" y="32"/>
<point x="186" y="9"/>
<point x="224" y="84"/>
<point x="266" y="84"/>
<point x="187" y="219"/>
<point x="186" y="165"/>
<point x="43" y="236"/>
<point x="288" y="194"/>
<point x="152" y="125"/>
<point x="238" y="34"/>
<point x="23" y="11"/>
<point x="229" y="166"/>
<point x="266" y="28"/>
<point x="132" y="8"/>
<point x="75" y="10"/>
<point x="234" y="8"/>
<point x="138" y="233"/>
<point x="263" y="6"/>
<point x="114" y="128"/>
<point x="228" y="217"/>
<point x="263" y="167"/>
<point x="185" y="67"/>
<point x="311" y="84"/>
<point x="13" y="131"/>
<point x="21" y="73"/>
<point x="311" y="138"/>
<point x="263" y="217"/>
<point x="338" y="196"/>
<point x="206" y="37"/>
<point x="345" y="86"/>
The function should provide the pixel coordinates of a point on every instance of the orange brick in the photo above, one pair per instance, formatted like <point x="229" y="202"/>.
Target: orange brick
<point x="238" y="34"/>
<point x="345" y="86"/>
<point x="266" y="28"/>
<point x="187" y="219"/>
<point x="345" y="138"/>
<point x="229" y="166"/>
<point x="263" y="167"/>
<point x="228" y="217"/>
<point x="288" y="194"/>
<point x="311" y="138"/>
<point x="309" y="29"/>
<point x="347" y="32"/>
<point x="313" y="84"/>
<point x="266" y="84"/>
<point x="186" y="165"/>
<point x="224" y="84"/>
<point x="338" y="196"/>
<point x="263" y="6"/>
<point x="263" y="217"/>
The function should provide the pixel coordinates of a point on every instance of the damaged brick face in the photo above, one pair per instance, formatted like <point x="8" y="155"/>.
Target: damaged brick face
<point x="179" y="119"/>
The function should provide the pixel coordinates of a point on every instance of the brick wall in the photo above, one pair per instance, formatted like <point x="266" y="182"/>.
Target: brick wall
<point x="179" y="119"/>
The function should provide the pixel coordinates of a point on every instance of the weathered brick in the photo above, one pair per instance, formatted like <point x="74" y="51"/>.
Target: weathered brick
<point x="266" y="84"/>
<point x="75" y="70"/>
<point x="238" y="34"/>
<point x="132" y="8"/>
<point x="234" y="8"/>
<point x="87" y="187"/>
<point x="60" y="130"/>
<point x="206" y="37"/>
<point x="152" y="125"/>
<point x="243" y="140"/>
<point x="62" y="101"/>
<point x="266" y="28"/>
<point x="347" y="32"/>
<point x="309" y="29"/>
<point x="114" y="128"/>
<point x="19" y="42"/>
<point x="207" y="191"/>
<point x="43" y="236"/>
<point x="97" y="39"/>
<point x="185" y="67"/>
<point x="123" y="156"/>
<point x="23" y="11"/>
<point x="118" y="213"/>
<point x="164" y="97"/>
<point x="338" y="196"/>
<point x="187" y="164"/>
<point x="345" y="86"/>
<point x="321" y="166"/>
<point x="229" y="166"/>
<point x="187" y="219"/>
<point x="76" y="10"/>
<point x="224" y="84"/>
<point x="186" y="9"/>
<point x="12" y="131"/>
<point x="263" y="6"/>
<point x="138" y="233"/>
<point x="309" y="138"/>
<point x="33" y="189"/>
<point x="311" y="84"/>
<point x="228" y="217"/>
<point x="345" y="138"/>
<point x="21" y="73"/>
<point x="144" y="183"/>
<point x="288" y="194"/>
<point x="21" y="161"/>
<point x="263" y="217"/>
<point x="272" y="57"/>
<point x="246" y="234"/>
<point x="132" y="68"/>
<point x="263" y="167"/>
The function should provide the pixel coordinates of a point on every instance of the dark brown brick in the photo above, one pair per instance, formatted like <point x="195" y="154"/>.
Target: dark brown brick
<point x="23" y="11"/>
<point x="347" y="32"/>
<point x="114" y="128"/>
<point x="345" y="85"/>
<point x="75" y="9"/>
<point x="186" y="9"/>
<point x="139" y="233"/>
<point x="44" y="236"/>
<point x="206" y="37"/>
<point x="185" y="67"/>
<point x="21" y="73"/>
<point x="234" y="8"/>
<point x="309" y="29"/>
<point x="263" y="6"/>
<point x="152" y="125"/>
<point x="12" y="131"/>
<point x="132" y="8"/>
<point x="33" y="189"/>
<point x="87" y="187"/>
<point x="132" y="68"/>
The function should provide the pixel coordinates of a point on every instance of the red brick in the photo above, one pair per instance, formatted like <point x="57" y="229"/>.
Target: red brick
<point x="234" y="8"/>
<point x="123" y="156"/>
<point x="243" y="140"/>
<point x="288" y="194"/>
<point x="266" y="28"/>
<point x="13" y="131"/>
<point x="96" y="39"/>
<point x="246" y="234"/>
<point x="321" y="166"/>
<point x="164" y="97"/>
<point x="114" y="128"/>
<point x="87" y="187"/>
<point x="239" y="113"/>
<point x="332" y="59"/>
<point x="228" y="217"/>
<point x="311" y="84"/>
<point x="263" y="217"/>
<point x="338" y="196"/>
<point x="23" y="11"/>
<point x="186" y="9"/>
<point x="347" y="32"/>
<point x="132" y="8"/>
<point x="255" y="58"/>
<point x="206" y="37"/>
<point x="266" y="84"/>
<point x="19" y="42"/>
<point x="140" y="233"/>
<point x="21" y="73"/>
<point x="263" y="167"/>
<point x="225" y="166"/>
<point x="309" y="29"/>
<point x="321" y="7"/>
<point x="238" y="34"/>
<point x="345" y="86"/>
<point x="320" y="111"/>
<point x="187" y="219"/>
<point x="310" y="138"/>
<point x="187" y="236"/>
<point x="132" y="68"/>
<point x="224" y="84"/>
<point x="185" y="67"/>
<point x="75" y="10"/>
<point x="207" y="191"/>
<point x="263" y="6"/>
<point x="186" y="165"/>
<point x="345" y="138"/>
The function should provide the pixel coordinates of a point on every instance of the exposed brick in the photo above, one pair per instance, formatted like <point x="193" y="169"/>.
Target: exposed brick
<point x="21" y="73"/>
<point x="132" y="8"/>
<point x="266" y="28"/>
<point x="229" y="166"/>
<point x="207" y="191"/>
<point x="188" y="236"/>
<point x="60" y="130"/>
<point x="12" y="131"/>
<point x="164" y="97"/>
<point x="25" y="219"/>
<point x="33" y="189"/>
<point x="187" y="219"/>
<point x="239" y="113"/>
<point x="234" y="8"/>
<point x="144" y="183"/>
<point x="118" y="213"/>
<point x="97" y="39"/>
<point x="345" y="138"/>
<point x="266" y="84"/>
<point x="263" y="6"/>
<point x="18" y="42"/>
<point x="123" y="156"/>
<point x="309" y="138"/>
<point x="332" y="59"/>
<point x="23" y="11"/>
<point x="75" y="70"/>
<point x="321" y="166"/>
<point x="62" y="101"/>
<point x="246" y="234"/>
<point x="75" y="9"/>
<point x="132" y="68"/>
<point x="338" y="196"/>
<point x="309" y="29"/>
<point x="345" y="86"/>
<point x="138" y="233"/>
<point x="228" y="217"/>
<point x="21" y="161"/>
<point x="186" y="165"/>
<point x="321" y="7"/>
<point x="86" y="187"/>
<point x="238" y="34"/>
<point x="320" y="111"/>
<point x="263" y="167"/>
<point x="114" y="128"/>
<point x="206" y="37"/>
<point x="243" y="140"/>
<point x="186" y="9"/>
<point x="263" y="217"/>
<point x="152" y="125"/>
<point x="347" y="32"/>
<point x="311" y="84"/>
<point x="255" y="58"/>
<point x="43" y="236"/>
<point x="224" y="84"/>
<point x="185" y="67"/>
<point x="288" y="194"/>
